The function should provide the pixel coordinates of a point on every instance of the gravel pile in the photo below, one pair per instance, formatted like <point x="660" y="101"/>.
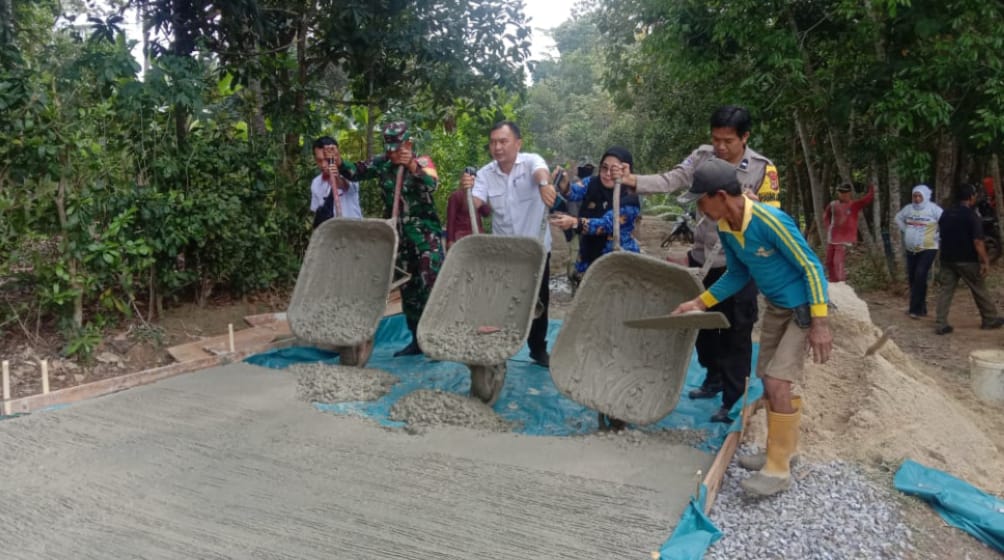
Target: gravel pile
<point x="336" y="320"/>
<point x="831" y="511"/>
<point x="425" y="408"/>
<point x="636" y="438"/>
<point x="326" y="383"/>
<point x="462" y="343"/>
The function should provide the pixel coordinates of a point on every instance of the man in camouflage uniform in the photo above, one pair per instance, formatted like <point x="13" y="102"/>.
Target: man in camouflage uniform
<point x="726" y="353"/>
<point x="418" y="226"/>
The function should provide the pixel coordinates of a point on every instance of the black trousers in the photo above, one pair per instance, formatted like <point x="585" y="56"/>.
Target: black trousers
<point x="537" y="340"/>
<point x="727" y="353"/>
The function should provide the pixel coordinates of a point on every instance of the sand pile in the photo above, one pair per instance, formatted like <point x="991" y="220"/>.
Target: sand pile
<point x="425" y="408"/>
<point x="883" y="409"/>
<point x="328" y="383"/>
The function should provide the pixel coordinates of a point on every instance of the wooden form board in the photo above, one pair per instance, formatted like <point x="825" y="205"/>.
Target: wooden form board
<point x="716" y="473"/>
<point x="115" y="384"/>
<point x="221" y="344"/>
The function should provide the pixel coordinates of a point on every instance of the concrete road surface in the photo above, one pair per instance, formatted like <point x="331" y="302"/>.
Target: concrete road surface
<point x="226" y="463"/>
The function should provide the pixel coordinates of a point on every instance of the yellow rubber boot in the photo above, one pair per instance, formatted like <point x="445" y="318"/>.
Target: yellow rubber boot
<point x="756" y="461"/>
<point x="782" y="437"/>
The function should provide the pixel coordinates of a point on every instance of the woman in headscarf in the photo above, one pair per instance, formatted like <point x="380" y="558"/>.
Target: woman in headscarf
<point x="918" y="222"/>
<point x="595" y="223"/>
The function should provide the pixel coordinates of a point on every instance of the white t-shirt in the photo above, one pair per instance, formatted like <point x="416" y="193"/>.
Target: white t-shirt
<point x="320" y="189"/>
<point x="517" y="209"/>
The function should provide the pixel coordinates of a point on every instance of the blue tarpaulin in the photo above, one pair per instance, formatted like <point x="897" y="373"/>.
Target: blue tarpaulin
<point x="959" y="503"/>
<point x="529" y="398"/>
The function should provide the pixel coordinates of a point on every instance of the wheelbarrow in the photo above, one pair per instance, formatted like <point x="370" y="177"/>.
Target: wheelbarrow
<point x="341" y="290"/>
<point x="611" y="355"/>
<point x="480" y="309"/>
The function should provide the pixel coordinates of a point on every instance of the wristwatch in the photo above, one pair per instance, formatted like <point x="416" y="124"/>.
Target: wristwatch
<point x="543" y="183"/>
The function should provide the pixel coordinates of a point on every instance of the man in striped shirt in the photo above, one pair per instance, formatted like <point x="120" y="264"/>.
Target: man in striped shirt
<point x="764" y="244"/>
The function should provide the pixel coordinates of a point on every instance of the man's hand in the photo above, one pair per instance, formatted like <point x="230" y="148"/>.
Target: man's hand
<point x="466" y="181"/>
<point x="620" y="171"/>
<point x="403" y="156"/>
<point x="690" y="306"/>
<point x="548" y="195"/>
<point x="820" y="339"/>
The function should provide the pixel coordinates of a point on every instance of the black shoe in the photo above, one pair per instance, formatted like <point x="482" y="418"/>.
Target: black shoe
<point x="542" y="359"/>
<point x="721" y="416"/>
<point x="703" y="392"/>
<point x="943" y="329"/>
<point x="409" y="350"/>
<point x="993" y="324"/>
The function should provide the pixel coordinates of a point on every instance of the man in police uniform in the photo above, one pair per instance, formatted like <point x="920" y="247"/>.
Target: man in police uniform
<point x="418" y="227"/>
<point x="726" y="353"/>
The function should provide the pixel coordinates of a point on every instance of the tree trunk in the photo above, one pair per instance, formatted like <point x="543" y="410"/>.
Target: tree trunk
<point x="895" y="238"/>
<point x="944" y="171"/>
<point x="995" y="172"/>
<point x="370" y="109"/>
<point x="78" y="299"/>
<point x="815" y="188"/>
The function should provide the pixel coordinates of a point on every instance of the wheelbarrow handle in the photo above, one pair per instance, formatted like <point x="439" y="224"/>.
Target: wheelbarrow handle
<point x="470" y="203"/>
<point x="617" y="215"/>
<point x="398" y="181"/>
<point x="333" y="183"/>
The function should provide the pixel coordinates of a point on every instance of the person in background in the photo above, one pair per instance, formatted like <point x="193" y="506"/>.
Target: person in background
<point x="418" y="226"/>
<point x="322" y="199"/>
<point x="763" y="244"/>
<point x="458" y="218"/>
<point x="518" y="187"/>
<point x="841" y="220"/>
<point x="963" y="255"/>
<point x="918" y="222"/>
<point x="595" y="221"/>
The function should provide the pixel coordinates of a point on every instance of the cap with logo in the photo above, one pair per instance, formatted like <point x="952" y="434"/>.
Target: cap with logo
<point x="712" y="176"/>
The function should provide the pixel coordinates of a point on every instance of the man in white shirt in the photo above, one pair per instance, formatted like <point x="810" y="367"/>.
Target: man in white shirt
<point x="518" y="188"/>
<point x="322" y="200"/>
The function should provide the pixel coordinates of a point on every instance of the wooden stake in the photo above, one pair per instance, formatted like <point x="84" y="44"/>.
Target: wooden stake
<point x="700" y="479"/>
<point x="45" y="377"/>
<point x="230" y="329"/>
<point x="6" y="388"/>
<point x="742" y="413"/>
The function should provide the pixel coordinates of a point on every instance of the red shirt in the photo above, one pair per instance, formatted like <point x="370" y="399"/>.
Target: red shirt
<point x="458" y="219"/>
<point x="841" y="218"/>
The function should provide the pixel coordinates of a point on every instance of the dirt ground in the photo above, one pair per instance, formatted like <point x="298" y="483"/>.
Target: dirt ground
<point x="944" y="358"/>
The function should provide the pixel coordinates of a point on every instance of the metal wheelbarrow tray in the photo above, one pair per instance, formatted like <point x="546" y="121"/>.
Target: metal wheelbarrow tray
<point x="341" y="291"/>
<point x="632" y="374"/>
<point x="481" y="307"/>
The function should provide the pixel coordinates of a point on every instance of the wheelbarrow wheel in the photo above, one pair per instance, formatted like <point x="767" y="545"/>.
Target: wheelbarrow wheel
<point x="487" y="382"/>
<point x="356" y="355"/>
<point x="610" y="424"/>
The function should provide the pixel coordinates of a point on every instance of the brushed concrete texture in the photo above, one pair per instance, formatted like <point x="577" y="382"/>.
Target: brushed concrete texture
<point x="486" y="281"/>
<point x="227" y="463"/>
<point x="635" y="375"/>
<point x="341" y="291"/>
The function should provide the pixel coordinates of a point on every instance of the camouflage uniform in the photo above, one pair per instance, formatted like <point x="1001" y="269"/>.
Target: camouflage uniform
<point x="418" y="226"/>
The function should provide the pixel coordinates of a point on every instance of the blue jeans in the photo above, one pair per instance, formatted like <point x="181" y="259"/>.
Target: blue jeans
<point x="918" y="266"/>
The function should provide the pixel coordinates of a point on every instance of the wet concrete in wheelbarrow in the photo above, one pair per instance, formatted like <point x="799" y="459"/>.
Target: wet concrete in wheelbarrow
<point x="228" y="463"/>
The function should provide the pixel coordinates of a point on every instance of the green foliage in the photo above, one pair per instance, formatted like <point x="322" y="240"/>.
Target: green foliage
<point x="82" y="342"/>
